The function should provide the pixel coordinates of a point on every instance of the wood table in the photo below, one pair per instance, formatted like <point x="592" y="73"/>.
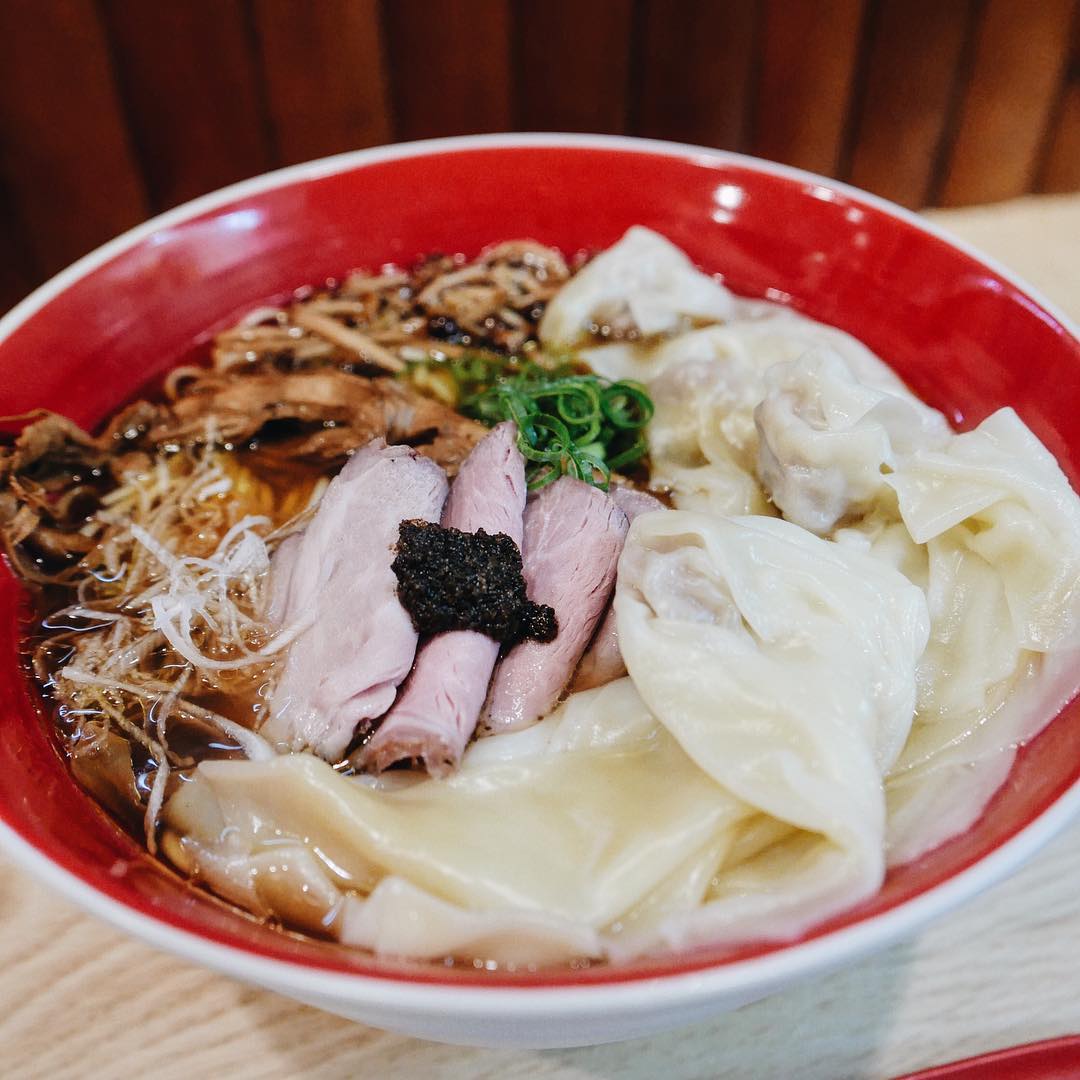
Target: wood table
<point x="78" y="999"/>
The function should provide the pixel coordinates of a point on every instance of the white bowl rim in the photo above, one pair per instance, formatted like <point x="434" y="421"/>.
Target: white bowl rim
<point x="743" y="979"/>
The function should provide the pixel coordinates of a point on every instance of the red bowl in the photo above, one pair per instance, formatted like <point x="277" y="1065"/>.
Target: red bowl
<point x="965" y="335"/>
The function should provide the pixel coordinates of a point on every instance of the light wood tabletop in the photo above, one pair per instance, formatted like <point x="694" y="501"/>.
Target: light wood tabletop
<point x="78" y="999"/>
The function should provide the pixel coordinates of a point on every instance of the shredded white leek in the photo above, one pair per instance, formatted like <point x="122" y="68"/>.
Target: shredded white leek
<point x="174" y="611"/>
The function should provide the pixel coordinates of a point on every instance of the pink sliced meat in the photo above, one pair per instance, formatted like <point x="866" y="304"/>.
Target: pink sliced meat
<point x="436" y="713"/>
<point x="573" y="536"/>
<point x="603" y="662"/>
<point x="356" y="643"/>
<point x="284" y="563"/>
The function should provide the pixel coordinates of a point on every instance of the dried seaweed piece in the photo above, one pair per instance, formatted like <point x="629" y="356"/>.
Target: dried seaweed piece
<point x="454" y="580"/>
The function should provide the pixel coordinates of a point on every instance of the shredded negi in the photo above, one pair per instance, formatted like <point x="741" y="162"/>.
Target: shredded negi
<point x="453" y="580"/>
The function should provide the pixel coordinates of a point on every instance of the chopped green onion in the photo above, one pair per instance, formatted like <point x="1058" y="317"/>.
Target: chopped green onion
<point x="570" y="423"/>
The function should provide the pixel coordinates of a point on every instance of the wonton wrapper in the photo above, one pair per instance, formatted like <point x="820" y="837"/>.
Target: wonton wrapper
<point x="644" y="281"/>
<point x="826" y="441"/>
<point x="1001" y="529"/>
<point x="752" y="337"/>
<point x="706" y="385"/>
<point x="785" y="667"/>
<point x="1004" y="497"/>
<point x="550" y="836"/>
<point x="985" y="523"/>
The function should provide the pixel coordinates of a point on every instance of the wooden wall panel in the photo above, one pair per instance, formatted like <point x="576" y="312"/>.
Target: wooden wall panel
<point x="322" y="64"/>
<point x="1020" y="53"/>
<point x="110" y="109"/>
<point x="572" y="65"/>
<point x="1061" y="169"/>
<point x="692" y="75"/>
<point x="449" y="66"/>
<point x="192" y="91"/>
<point x="64" y="152"/>
<point x="913" y="65"/>
<point x="809" y="55"/>
<point x="18" y="274"/>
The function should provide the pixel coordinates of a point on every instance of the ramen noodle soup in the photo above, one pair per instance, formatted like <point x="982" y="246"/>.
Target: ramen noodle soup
<point x="531" y="610"/>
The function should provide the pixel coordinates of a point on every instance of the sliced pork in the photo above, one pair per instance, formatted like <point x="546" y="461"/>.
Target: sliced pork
<point x="334" y="580"/>
<point x="282" y="567"/>
<point x="603" y="662"/>
<point x="573" y="536"/>
<point x="436" y="712"/>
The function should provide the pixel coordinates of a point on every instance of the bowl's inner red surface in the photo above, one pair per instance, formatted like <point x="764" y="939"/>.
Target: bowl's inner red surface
<point x="964" y="339"/>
